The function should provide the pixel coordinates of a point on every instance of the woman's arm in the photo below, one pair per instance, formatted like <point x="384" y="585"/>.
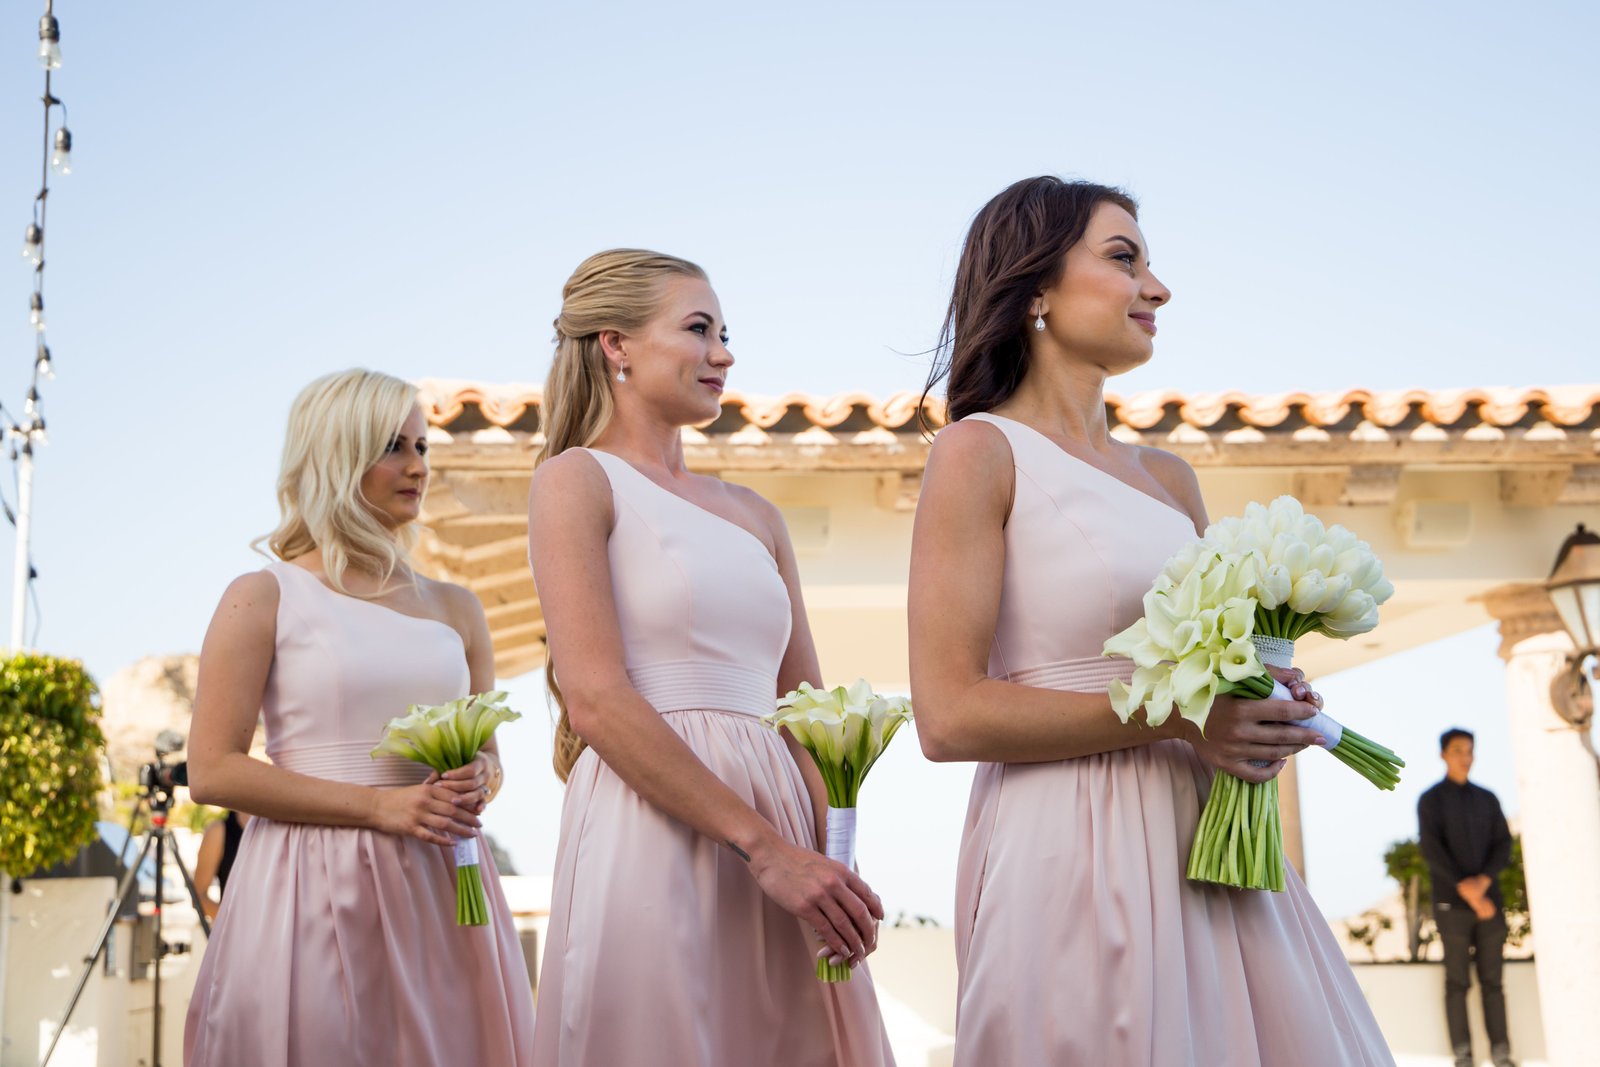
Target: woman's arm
<point x="476" y="783"/>
<point x="234" y="663"/>
<point x="569" y="524"/>
<point x="957" y="566"/>
<point x="799" y="659"/>
<point x="207" y="863"/>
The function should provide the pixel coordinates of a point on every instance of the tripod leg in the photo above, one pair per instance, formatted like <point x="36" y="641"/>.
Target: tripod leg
<point x="133" y="822"/>
<point x="188" y="880"/>
<point x="130" y="878"/>
<point x="161" y="897"/>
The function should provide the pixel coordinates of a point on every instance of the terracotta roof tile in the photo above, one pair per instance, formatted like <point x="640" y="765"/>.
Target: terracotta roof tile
<point x="445" y="402"/>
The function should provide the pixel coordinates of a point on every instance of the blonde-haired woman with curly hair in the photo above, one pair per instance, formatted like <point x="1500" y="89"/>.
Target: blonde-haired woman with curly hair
<point x="337" y="941"/>
<point x="690" y="900"/>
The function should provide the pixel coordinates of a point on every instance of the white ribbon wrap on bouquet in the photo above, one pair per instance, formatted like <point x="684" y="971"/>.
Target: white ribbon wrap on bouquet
<point x="466" y="852"/>
<point x="1279" y="652"/>
<point x="842" y="836"/>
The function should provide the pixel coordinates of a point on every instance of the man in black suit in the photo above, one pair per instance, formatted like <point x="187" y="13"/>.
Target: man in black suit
<point x="1466" y="843"/>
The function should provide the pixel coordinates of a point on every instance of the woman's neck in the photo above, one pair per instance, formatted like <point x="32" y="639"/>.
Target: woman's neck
<point x="1063" y="398"/>
<point x="645" y="441"/>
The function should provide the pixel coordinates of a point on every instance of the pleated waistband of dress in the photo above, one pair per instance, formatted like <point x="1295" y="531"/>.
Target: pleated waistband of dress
<point x="349" y="761"/>
<point x="1075" y="675"/>
<point x="684" y="685"/>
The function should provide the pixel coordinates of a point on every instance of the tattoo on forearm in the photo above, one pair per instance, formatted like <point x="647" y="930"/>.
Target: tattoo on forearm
<point x="737" y="851"/>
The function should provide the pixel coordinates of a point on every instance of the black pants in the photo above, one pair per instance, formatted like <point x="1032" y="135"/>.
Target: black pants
<point x="1466" y="939"/>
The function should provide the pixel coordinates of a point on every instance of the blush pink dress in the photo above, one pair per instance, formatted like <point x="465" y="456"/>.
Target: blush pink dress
<point x="662" y="950"/>
<point x="1078" y="938"/>
<point x="337" y="945"/>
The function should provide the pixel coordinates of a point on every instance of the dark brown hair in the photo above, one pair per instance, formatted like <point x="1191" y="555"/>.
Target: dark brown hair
<point x="1013" y="252"/>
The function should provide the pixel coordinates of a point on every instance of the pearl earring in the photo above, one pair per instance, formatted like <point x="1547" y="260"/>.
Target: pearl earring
<point x="1038" y="324"/>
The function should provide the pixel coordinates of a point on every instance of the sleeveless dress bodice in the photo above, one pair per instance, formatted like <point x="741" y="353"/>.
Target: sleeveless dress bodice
<point x="704" y="613"/>
<point x="1072" y="578"/>
<point x="343" y="668"/>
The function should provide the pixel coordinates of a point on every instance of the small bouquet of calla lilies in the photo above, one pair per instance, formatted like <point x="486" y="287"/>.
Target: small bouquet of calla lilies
<point x="1221" y="612"/>
<point x="444" y="737"/>
<point x="845" y="729"/>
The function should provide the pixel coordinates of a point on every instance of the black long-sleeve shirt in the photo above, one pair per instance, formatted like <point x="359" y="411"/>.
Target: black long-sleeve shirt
<point x="1463" y="833"/>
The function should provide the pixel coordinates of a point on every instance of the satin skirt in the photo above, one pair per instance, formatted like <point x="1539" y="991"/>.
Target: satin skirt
<point x="340" y="946"/>
<point x="662" y="949"/>
<point x="1080" y="941"/>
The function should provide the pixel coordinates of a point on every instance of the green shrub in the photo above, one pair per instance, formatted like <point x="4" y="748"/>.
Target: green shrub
<point x="50" y="745"/>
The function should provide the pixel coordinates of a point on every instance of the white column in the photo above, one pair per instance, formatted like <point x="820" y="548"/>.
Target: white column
<point x="1558" y="781"/>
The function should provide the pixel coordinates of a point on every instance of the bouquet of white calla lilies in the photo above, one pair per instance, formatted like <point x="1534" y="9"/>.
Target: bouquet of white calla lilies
<point x="1223" y="610"/>
<point x="845" y="729"/>
<point x="444" y="737"/>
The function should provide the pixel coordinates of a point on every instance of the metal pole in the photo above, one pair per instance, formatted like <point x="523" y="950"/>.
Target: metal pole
<point x="22" y="573"/>
<point x="19" y="622"/>
<point x="158" y="818"/>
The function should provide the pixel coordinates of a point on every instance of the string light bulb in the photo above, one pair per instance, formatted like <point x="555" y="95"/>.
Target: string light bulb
<point x="36" y="312"/>
<point x="33" y="244"/>
<point x="43" y="364"/>
<point x="61" y="158"/>
<point x="30" y="407"/>
<point x="49" y="42"/>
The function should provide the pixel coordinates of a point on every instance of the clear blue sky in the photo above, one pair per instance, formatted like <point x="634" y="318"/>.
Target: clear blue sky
<point x="1370" y="194"/>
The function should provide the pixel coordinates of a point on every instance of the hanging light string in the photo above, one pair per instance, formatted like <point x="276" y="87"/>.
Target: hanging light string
<point x="56" y="156"/>
<point x="22" y="429"/>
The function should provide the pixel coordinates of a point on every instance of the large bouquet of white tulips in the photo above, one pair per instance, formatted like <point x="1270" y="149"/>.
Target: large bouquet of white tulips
<point x="447" y="736"/>
<point x="1223" y="610"/>
<point x="845" y="729"/>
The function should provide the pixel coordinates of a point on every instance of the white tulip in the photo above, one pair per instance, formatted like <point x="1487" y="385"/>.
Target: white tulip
<point x="1309" y="590"/>
<point x="1358" y="614"/>
<point x="1339" y="587"/>
<point x="1294" y="555"/>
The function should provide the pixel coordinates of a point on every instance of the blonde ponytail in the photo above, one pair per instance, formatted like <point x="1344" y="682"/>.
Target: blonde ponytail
<point x="615" y="290"/>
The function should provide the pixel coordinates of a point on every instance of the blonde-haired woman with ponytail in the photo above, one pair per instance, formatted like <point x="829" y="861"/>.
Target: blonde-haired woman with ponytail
<point x="337" y="941"/>
<point x="690" y="901"/>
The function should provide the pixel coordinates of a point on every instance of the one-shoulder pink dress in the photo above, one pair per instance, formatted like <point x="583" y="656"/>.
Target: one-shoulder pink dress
<point x="337" y="945"/>
<point x="662" y="950"/>
<point x="1078" y="938"/>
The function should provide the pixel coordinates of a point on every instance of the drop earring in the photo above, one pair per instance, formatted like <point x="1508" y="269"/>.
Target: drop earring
<point x="1038" y="324"/>
<point x="622" y="375"/>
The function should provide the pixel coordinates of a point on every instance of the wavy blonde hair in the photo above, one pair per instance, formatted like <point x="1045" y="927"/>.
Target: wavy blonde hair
<point x="340" y="427"/>
<point x="620" y="289"/>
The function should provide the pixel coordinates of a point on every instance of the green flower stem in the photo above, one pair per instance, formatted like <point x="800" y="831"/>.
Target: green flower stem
<point x="832" y="972"/>
<point x="1371" y="760"/>
<point x="472" y="908"/>
<point x="1239" y="841"/>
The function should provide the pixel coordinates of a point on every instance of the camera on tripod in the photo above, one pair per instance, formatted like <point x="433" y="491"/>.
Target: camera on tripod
<point x="157" y="779"/>
<point x="159" y="775"/>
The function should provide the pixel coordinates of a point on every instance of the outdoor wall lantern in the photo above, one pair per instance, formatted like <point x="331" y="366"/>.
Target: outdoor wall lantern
<point x="1574" y="587"/>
